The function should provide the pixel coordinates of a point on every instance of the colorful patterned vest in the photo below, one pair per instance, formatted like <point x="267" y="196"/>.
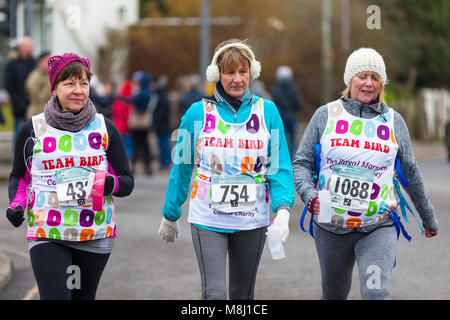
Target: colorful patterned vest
<point x="357" y="166"/>
<point x="231" y="168"/>
<point x="54" y="150"/>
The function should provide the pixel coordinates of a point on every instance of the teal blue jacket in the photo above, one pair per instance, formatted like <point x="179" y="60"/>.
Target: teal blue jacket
<point x="280" y="178"/>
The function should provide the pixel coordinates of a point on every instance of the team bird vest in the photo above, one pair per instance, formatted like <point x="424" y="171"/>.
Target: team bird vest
<point x="62" y="169"/>
<point x="230" y="186"/>
<point x="357" y="161"/>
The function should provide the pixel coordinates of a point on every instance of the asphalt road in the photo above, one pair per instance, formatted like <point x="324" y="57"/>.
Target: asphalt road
<point x="142" y="266"/>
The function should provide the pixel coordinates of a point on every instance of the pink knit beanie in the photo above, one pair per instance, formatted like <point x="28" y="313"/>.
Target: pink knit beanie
<point x="57" y="63"/>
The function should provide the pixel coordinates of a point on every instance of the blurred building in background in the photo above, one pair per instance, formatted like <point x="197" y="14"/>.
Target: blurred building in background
<point x="168" y="37"/>
<point x="62" y="26"/>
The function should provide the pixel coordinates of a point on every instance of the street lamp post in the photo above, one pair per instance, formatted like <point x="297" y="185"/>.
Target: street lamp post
<point x="205" y="38"/>
<point x="326" y="49"/>
<point x="29" y="17"/>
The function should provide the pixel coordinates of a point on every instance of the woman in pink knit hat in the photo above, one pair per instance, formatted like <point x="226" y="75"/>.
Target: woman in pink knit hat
<point x="69" y="161"/>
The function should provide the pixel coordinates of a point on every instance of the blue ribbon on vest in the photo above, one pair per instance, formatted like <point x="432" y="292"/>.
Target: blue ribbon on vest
<point x="399" y="170"/>
<point x="317" y="162"/>
<point x="403" y="202"/>
<point x="302" y="221"/>
<point x="315" y="177"/>
<point x="398" y="225"/>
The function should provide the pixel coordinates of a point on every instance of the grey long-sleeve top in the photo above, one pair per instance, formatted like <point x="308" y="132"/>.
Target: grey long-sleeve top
<point x="303" y="164"/>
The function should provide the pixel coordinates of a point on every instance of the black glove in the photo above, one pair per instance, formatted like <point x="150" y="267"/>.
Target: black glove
<point x="15" y="216"/>
<point x="109" y="185"/>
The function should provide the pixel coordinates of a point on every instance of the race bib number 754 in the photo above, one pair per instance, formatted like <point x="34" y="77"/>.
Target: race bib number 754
<point x="233" y="193"/>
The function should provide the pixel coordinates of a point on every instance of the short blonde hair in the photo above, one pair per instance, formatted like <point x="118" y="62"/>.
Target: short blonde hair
<point x="346" y="92"/>
<point x="231" y="58"/>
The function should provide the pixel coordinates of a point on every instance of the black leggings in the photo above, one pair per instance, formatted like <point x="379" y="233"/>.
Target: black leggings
<point x="64" y="273"/>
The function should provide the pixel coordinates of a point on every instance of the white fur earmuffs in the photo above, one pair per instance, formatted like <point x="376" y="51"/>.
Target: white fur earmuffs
<point x="213" y="73"/>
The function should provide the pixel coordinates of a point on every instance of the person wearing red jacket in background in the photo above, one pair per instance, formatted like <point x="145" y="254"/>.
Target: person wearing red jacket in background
<point x="120" y="112"/>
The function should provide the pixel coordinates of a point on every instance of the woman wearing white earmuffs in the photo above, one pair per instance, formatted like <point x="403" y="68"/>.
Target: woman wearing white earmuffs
<point x="236" y="142"/>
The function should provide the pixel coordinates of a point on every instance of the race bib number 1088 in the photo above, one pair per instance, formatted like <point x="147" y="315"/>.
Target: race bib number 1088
<point x="351" y="187"/>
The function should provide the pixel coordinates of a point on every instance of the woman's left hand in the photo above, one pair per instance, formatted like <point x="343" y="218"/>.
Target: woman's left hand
<point x="281" y="221"/>
<point x="314" y="205"/>
<point x="109" y="185"/>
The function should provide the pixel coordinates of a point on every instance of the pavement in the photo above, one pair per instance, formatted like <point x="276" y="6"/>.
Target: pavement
<point x="422" y="151"/>
<point x="5" y="270"/>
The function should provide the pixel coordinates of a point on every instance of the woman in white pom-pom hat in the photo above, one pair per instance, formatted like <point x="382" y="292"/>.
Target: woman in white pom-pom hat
<point x="236" y="143"/>
<point x="359" y="149"/>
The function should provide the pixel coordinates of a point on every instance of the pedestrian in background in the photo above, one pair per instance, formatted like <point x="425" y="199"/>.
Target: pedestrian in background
<point x="239" y="135"/>
<point x="141" y="100"/>
<point x="161" y="121"/>
<point x="192" y="94"/>
<point x="102" y="101"/>
<point x="70" y="218"/>
<point x="119" y="115"/>
<point x="139" y="121"/>
<point x="356" y="141"/>
<point x="37" y="86"/>
<point x="15" y="75"/>
<point x="286" y="96"/>
<point x="259" y="89"/>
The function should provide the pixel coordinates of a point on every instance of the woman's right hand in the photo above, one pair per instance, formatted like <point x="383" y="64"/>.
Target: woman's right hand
<point x="15" y="216"/>
<point x="314" y="205"/>
<point x="169" y="230"/>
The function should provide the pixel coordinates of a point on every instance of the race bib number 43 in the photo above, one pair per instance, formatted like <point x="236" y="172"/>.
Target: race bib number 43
<point x="350" y="187"/>
<point x="74" y="185"/>
<point x="233" y="193"/>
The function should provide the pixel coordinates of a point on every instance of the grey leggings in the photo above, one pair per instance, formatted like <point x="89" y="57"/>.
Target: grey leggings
<point x="244" y="249"/>
<point x="374" y="253"/>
